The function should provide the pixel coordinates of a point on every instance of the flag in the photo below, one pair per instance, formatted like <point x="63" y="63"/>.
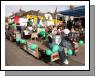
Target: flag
<point x="16" y="19"/>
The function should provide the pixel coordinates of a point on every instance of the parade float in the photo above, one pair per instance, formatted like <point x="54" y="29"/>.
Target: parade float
<point x="44" y="30"/>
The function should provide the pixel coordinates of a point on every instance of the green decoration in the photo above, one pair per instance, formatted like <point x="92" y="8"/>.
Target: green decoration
<point x="69" y="52"/>
<point x="81" y="42"/>
<point x="42" y="33"/>
<point x="23" y="41"/>
<point x="55" y="48"/>
<point x="18" y="39"/>
<point x="48" y="52"/>
<point x="43" y="29"/>
<point x="12" y="26"/>
<point x="33" y="46"/>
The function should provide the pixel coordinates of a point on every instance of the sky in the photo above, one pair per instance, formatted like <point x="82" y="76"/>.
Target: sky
<point x="43" y="8"/>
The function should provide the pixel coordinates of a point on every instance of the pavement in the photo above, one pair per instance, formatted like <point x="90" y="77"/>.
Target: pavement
<point x="14" y="56"/>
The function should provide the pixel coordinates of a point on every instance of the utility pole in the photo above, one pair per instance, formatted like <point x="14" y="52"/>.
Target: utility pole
<point x="56" y="16"/>
<point x="71" y="7"/>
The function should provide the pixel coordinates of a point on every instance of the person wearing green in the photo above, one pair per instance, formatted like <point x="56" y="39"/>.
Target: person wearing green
<point x="29" y="23"/>
<point x="12" y="26"/>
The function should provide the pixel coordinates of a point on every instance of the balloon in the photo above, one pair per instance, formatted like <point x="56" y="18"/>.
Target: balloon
<point x="42" y="33"/>
<point x="48" y="52"/>
<point x="23" y="41"/>
<point x="18" y="39"/>
<point x="33" y="46"/>
<point x="81" y="42"/>
<point x="55" y="48"/>
<point x="69" y="52"/>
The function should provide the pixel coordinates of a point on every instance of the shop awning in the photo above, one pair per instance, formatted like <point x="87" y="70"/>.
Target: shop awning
<point x="77" y="11"/>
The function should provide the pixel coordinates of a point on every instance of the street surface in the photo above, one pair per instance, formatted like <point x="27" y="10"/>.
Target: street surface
<point x="14" y="56"/>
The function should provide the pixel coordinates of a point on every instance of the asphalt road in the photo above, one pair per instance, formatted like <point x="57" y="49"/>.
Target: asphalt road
<point x="14" y="56"/>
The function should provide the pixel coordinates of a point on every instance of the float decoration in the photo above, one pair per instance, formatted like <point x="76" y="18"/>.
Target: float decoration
<point x="48" y="52"/>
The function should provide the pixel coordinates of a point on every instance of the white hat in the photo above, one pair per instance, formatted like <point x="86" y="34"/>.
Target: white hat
<point x="66" y="31"/>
